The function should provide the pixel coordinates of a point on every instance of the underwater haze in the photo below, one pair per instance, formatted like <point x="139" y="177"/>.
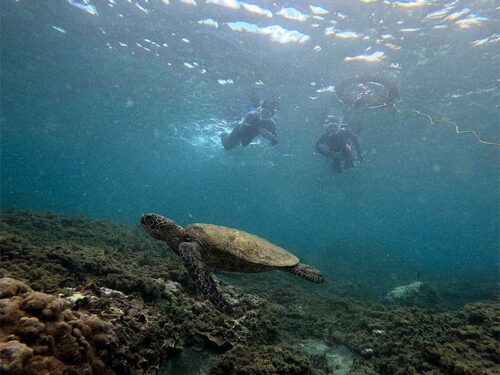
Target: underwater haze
<point x="110" y="109"/>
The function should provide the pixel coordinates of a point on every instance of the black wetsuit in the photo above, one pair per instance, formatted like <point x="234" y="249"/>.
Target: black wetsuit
<point x="250" y="127"/>
<point x="340" y="147"/>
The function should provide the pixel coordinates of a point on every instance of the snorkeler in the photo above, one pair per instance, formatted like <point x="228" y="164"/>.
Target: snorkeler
<point x="340" y="144"/>
<point x="256" y="122"/>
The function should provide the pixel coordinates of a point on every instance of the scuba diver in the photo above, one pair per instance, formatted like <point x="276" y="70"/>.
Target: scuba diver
<point x="340" y="144"/>
<point x="256" y="122"/>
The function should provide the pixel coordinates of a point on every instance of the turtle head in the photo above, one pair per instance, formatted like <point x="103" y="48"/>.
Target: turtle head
<point x="162" y="228"/>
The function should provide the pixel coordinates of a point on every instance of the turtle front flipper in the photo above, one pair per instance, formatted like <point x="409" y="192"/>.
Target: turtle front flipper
<point x="306" y="272"/>
<point x="203" y="281"/>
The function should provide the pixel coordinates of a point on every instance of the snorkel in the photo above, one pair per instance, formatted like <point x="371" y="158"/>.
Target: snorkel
<point x="265" y="113"/>
<point x="267" y="109"/>
<point x="336" y="126"/>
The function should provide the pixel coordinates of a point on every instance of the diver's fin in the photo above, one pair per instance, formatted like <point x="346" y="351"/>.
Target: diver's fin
<point x="202" y="280"/>
<point x="306" y="272"/>
<point x="223" y="139"/>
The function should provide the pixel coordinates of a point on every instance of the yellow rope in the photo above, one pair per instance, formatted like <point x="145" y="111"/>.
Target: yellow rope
<point x="447" y="121"/>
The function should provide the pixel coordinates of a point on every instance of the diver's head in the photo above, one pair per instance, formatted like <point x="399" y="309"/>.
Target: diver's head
<point x="335" y="128"/>
<point x="334" y="123"/>
<point x="267" y="109"/>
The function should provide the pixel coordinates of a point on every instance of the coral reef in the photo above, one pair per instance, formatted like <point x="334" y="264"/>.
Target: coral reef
<point x="400" y="340"/>
<point x="86" y="334"/>
<point x="126" y="304"/>
<point x="40" y="334"/>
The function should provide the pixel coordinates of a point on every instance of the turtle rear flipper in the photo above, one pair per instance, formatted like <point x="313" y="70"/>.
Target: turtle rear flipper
<point x="202" y="280"/>
<point x="306" y="272"/>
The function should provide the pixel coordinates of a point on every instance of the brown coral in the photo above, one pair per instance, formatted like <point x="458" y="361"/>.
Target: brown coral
<point x="12" y="287"/>
<point x="38" y="334"/>
<point x="15" y="358"/>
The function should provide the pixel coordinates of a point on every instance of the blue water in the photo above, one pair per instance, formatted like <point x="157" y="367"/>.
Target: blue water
<point x="98" y="121"/>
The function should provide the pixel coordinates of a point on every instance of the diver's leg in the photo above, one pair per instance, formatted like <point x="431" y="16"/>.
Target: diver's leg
<point x="348" y="159"/>
<point x="336" y="165"/>
<point x="233" y="139"/>
<point x="199" y="276"/>
<point x="306" y="272"/>
<point x="224" y="140"/>
<point x="246" y="140"/>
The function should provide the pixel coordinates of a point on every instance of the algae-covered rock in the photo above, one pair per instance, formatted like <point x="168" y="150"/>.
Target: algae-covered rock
<point x="258" y="360"/>
<point x="327" y="360"/>
<point x="188" y="361"/>
<point x="415" y="294"/>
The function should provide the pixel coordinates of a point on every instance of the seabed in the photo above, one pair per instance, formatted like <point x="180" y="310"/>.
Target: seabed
<point x="80" y="296"/>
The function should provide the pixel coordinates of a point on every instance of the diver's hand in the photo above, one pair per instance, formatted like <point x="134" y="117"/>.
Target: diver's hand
<point x="270" y="136"/>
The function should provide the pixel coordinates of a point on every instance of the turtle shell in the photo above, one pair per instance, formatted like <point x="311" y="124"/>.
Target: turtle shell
<point x="234" y="250"/>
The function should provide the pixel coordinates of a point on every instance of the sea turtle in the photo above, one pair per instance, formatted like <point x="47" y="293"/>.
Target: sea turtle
<point x="227" y="249"/>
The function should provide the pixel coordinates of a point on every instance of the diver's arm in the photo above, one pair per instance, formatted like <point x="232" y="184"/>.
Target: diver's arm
<point x="322" y="146"/>
<point x="268" y="131"/>
<point x="249" y="119"/>
<point x="254" y="101"/>
<point x="271" y="136"/>
<point x="270" y="125"/>
<point x="245" y="120"/>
